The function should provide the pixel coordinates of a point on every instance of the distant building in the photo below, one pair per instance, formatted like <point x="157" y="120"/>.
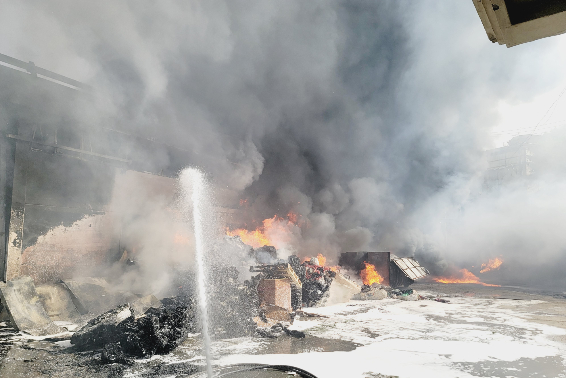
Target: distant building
<point x="513" y="22"/>
<point x="510" y="162"/>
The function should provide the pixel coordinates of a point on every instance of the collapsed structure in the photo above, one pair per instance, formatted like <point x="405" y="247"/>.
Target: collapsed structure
<point x="293" y="284"/>
<point x="395" y="271"/>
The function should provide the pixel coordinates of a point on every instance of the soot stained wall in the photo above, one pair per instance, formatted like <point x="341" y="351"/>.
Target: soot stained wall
<point x="43" y="186"/>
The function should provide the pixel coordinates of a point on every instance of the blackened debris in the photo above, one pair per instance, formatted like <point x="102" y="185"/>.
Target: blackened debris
<point x="167" y="326"/>
<point x="296" y="264"/>
<point x="233" y="304"/>
<point x="278" y="330"/>
<point x="294" y="333"/>
<point x="121" y="335"/>
<point x="316" y="283"/>
<point x="272" y="332"/>
<point x="296" y="298"/>
<point x="113" y="353"/>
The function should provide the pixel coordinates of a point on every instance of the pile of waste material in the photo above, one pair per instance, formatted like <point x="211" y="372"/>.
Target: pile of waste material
<point x="277" y="330"/>
<point x="316" y="280"/>
<point x="233" y="304"/>
<point x="122" y="326"/>
<point x="379" y="292"/>
<point x="122" y="333"/>
<point x="372" y="292"/>
<point x="405" y="295"/>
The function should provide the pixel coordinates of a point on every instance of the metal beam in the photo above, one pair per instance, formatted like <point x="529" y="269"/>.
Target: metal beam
<point x="34" y="71"/>
<point x="27" y="140"/>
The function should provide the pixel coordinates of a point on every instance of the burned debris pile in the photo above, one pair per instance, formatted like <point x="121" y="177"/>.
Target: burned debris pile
<point x="121" y="326"/>
<point x="310" y="284"/>
<point x="372" y="292"/>
<point x="121" y="335"/>
<point x="233" y="304"/>
<point x="278" y="330"/>
<point x="316" y="280"/>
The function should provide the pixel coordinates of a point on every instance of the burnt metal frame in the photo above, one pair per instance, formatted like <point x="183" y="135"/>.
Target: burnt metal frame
<point x="8" y="143"/>
<point x="34" y="70"/>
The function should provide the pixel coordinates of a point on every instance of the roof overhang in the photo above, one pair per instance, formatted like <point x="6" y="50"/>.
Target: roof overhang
<point x="497" y="23"/>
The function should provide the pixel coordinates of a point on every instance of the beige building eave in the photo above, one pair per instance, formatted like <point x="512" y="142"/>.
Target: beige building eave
<point x="495" y="20"/>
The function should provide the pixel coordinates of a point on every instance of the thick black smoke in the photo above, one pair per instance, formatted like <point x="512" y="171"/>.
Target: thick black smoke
<point x="367" y="119"/>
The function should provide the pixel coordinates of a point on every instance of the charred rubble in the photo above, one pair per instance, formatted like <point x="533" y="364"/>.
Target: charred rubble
<point x="124" y="333"/>
<point x="121" y="335"/>
<point x="316" y="281"/>
<point x="265" y="305"/>
<point x="233" y="304"/>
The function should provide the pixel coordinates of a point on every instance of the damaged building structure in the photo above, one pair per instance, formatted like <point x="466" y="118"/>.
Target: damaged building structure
<point x="59" y="176"/>
<point x="395" y="271"/>
<point x="57" y="169"/>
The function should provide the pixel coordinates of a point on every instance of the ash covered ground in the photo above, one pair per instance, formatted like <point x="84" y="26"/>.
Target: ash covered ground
<point x="481" y="332"/>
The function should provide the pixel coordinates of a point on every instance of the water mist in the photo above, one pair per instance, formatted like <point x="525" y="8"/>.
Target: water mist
<point x="195" y="199"/>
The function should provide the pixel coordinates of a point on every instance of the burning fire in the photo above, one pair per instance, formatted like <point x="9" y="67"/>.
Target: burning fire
<point x="274" y="231"/>
<point x="369" y="275"/>
<point x="466" y="277"/>
<point x="254" y="238"/>
<point x="321" y="262"/>
<point x="492" y="264"/>
<point x="292" y="217"/>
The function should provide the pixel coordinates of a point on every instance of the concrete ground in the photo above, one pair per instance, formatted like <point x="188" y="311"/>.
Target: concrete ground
<point x="482" y="332"/>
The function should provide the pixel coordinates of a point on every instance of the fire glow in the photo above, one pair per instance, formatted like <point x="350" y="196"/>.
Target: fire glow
<point x="321" y="261"/>
<point x="466" y="277"/>
<point x="491" y="265"/>
<point x="369" y="275"/>
<point x="274" y="231"/>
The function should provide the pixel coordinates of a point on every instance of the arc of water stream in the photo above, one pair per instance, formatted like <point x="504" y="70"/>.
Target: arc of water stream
<point x="198" y="201"/>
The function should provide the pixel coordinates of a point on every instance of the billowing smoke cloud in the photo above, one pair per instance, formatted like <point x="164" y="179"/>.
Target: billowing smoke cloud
<point x="368" y="119"/>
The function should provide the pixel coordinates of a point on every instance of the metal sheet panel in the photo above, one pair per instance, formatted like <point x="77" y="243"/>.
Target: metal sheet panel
<point x="411" y="268"/>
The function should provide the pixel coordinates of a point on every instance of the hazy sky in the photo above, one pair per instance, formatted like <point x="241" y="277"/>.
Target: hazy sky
<point x="367" y="118"/>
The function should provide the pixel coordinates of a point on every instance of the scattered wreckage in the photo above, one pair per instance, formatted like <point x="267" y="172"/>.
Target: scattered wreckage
<point x="123" y="326"/>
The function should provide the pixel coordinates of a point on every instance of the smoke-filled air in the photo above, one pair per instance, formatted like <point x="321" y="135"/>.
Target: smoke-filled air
<point x="324" y="126"/>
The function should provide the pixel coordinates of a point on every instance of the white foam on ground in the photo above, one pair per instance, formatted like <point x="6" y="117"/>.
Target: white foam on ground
<point x="416" y="339"/>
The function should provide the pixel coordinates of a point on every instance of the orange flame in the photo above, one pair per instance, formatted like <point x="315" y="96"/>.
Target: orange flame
<point x="466" y="277"/>
<point x="262" y="235"/>
<point x="321" y="259"/>
<point x="492" y="264"/>
<point x="369" y="275"/>
<point x="255" y="239"/>
<point x="293" y="217"/>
